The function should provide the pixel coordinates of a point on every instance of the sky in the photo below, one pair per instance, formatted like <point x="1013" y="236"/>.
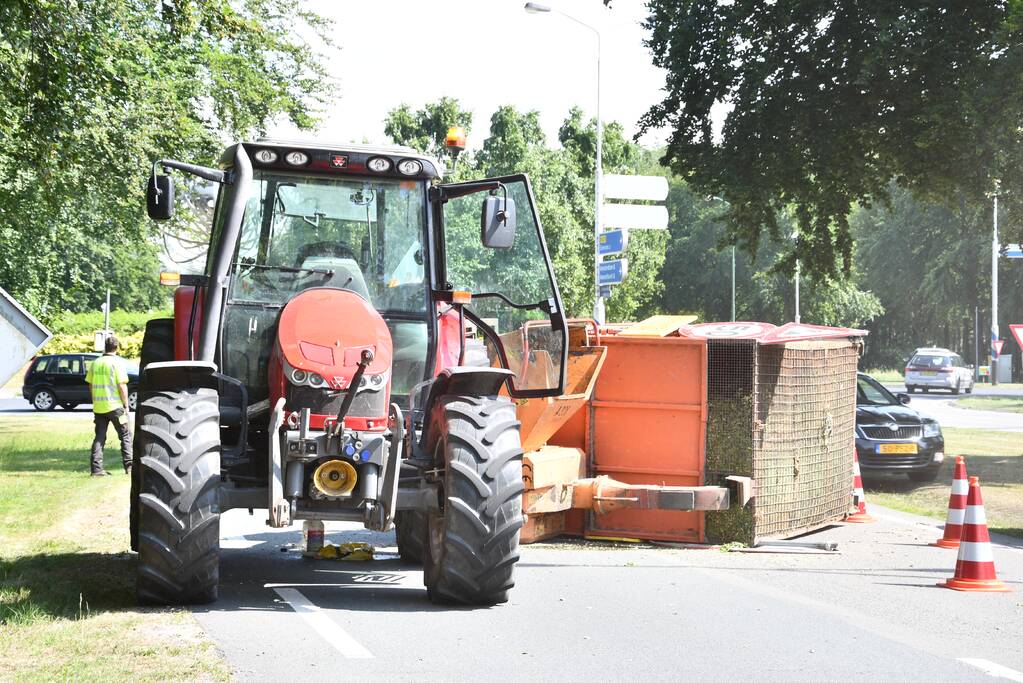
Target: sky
<point x="485" y="53"/>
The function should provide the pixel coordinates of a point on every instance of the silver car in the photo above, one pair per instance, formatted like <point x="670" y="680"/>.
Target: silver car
<point x="934" y="368"/>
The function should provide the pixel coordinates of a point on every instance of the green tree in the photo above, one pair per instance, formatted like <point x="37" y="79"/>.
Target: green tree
<point x="426" y="128"/>
<point x="931" y="267"/>
<point x="830" y="101"/>
<point x="92" y="92"/>
<point x="697" y="273"/>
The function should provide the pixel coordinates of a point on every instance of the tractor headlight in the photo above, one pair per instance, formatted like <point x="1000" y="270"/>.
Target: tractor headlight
<point x="315" y="380"/>
<point x="299" y="376"/>
<point x="266" y="156"/>
<point x="409" y="167"/>
<point x="379" y="164"/>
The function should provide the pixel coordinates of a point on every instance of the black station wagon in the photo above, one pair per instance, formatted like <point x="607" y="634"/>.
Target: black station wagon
<point x="60" y="380"/>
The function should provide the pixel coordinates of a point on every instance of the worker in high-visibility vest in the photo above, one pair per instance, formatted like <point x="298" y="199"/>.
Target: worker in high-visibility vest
<point x="108" y="383"/>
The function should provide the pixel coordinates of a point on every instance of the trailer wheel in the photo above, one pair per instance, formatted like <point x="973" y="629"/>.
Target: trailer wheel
<point x="472" y="542"/>
<point x="178" y="511"/>
<point x="410" y="530"/>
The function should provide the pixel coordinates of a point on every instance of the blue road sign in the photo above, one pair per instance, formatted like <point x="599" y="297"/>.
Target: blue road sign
<point x="1014" y="251"/>
<point x="612" y="242"/>
<point x="605" y="291"/>
<point x="612" y="272"/>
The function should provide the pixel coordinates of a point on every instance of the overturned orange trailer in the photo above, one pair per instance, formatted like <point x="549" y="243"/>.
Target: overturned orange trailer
<point x="623" y="453"/>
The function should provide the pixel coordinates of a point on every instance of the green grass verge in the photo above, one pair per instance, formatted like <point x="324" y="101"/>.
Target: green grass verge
<point x="1005" y="404"/>
<point x="995" y="457"/>
<point x="66" y="583"/>
<point x="886" y="375"/>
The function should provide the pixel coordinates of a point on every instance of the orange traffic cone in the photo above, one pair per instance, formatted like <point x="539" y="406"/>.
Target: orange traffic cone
<point x="975" y="568"/>
<point x="956" y="507"/>
<point x="860" y="516"/>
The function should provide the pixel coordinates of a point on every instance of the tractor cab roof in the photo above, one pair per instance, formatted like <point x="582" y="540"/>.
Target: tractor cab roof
<point x="340" y="159"/>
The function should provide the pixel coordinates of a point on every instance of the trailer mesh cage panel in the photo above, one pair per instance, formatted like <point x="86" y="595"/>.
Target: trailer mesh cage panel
<point x="785" y="415"/>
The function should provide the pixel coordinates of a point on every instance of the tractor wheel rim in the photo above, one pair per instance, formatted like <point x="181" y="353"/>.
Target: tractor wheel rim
<point x="43" y="399"/>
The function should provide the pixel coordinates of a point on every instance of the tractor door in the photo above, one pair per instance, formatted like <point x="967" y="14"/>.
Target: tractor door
<point x="515" y="306"/>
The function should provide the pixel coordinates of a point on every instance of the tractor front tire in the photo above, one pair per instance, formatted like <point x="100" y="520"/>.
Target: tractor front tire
<point x="472" y="543"/>
<point x="178" y="510"/>
<point x="410" y="530"/>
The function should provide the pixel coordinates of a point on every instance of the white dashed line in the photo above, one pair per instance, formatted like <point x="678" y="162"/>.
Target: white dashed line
<point x="992" y="669"/>
<point x="322" y="624"/>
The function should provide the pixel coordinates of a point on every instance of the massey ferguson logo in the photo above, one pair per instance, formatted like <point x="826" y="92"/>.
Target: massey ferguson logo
<point x="339" y="161"/>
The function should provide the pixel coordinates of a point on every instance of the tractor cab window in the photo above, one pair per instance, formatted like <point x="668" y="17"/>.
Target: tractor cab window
<point x="513" y="291"/>
<point x="364" y="236"/>
<point x="300" y="232"/>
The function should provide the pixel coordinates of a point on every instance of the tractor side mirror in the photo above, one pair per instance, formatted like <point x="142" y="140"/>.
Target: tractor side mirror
<point x="160" y="197"/>
<point x="497" y="226"/>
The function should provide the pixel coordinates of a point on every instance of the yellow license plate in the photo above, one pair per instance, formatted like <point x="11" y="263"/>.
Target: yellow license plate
<point x="896" y="448"/>
<point x="928" y="373"/>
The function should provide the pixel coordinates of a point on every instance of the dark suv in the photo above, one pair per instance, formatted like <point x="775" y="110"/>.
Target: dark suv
<point x="892" y="437"/>
<point x="60" y="380"/>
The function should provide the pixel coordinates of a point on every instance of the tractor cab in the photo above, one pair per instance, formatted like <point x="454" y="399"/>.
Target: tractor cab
<point x="354" y="313"/>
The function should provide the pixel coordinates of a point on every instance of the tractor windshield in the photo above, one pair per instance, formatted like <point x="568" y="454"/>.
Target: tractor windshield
<point x="299" y="232"/>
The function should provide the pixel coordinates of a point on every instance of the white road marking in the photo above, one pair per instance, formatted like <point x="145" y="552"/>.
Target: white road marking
<point x="324" y="625"/>
<point x="992" y="669"/>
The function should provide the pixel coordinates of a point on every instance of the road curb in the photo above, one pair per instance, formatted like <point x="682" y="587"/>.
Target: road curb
<point x="908" y="518"/>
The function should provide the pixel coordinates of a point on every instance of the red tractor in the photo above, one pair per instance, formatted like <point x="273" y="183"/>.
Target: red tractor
<point x="351" y="352"/>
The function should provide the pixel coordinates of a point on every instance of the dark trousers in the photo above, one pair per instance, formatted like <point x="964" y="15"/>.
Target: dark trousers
<point x="123" y="433"/>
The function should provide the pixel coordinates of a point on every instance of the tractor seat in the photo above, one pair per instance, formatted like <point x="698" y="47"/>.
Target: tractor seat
<point x="347" y="273"/>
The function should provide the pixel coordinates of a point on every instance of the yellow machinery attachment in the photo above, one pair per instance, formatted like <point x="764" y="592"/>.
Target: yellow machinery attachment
<point x="335" y="478"/>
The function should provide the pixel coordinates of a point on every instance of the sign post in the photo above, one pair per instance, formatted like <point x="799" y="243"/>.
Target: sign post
<point x="620" y="218"/>
<point x="613" y="242"/>
<point x="612" y="272"/>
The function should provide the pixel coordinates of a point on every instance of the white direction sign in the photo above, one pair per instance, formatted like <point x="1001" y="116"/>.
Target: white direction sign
<point x="634" y="216"/>
<point x="652" y="188"/>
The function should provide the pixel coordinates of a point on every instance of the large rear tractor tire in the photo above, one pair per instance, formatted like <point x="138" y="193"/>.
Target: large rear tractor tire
<point x="178" y="510"/>
<point x="157" y="342"/>
<point x="472" y="543"/>
<point x="410" y="530"/>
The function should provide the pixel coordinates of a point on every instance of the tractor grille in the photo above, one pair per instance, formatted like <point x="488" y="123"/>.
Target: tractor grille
<point x="883" y="433"/>
<point x="321" y="402"/>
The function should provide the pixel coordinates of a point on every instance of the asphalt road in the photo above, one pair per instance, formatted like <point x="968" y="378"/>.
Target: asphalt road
<point x="11" y="403"/>
<point x="580" y="612"/>
<point x="942" y="407"/>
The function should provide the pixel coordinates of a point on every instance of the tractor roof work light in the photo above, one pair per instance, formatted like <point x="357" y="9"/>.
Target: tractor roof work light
<point x="455" y="140"/>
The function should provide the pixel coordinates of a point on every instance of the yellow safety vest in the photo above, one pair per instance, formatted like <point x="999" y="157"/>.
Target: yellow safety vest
<point x="104" y="375"/>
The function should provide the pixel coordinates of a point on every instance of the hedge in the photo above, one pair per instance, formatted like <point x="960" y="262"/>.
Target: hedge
<point x="123" y="323"/>
<point x="131" y="344"/>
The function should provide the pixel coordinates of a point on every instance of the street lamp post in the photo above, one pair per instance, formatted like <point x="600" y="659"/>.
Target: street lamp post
<point x="795" y="236"/>
<point x="994" y="291"/>
<point x="725" y="201"/>
<point x="598" y="301"/>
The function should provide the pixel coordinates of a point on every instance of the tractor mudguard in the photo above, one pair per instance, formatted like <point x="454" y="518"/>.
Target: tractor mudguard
<point x="456" y="381"/>
<point x="195" y="374"/>
<point x="179" y="374"/>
